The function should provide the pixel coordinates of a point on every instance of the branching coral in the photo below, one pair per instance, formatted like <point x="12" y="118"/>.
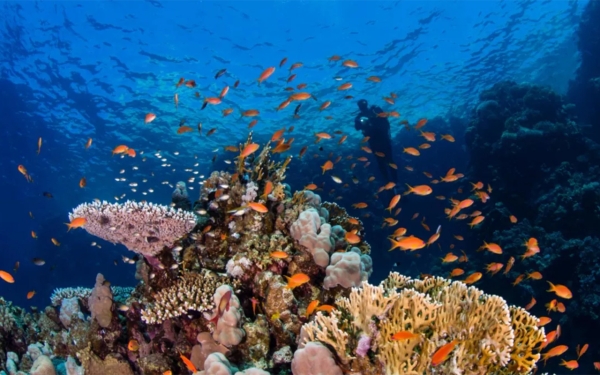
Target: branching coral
<point x="490" y="338"/>
<point x="192" y="292"/>
<point x="144" y="228"/>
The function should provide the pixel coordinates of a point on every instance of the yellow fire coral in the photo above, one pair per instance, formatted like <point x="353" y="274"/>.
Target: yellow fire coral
<point x="492" y="338"/>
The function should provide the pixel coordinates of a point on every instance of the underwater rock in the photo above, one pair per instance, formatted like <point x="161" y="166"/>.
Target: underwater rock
<point x="69" y="310"/>
<point x="277" y="297"/>
<point x="42" y="366"/>
<point x="256" y="345"/>
<point x="100" y="302"/>
<point x="93" y="365"/>
<point x="154" y="364"/>
<point x="283" y="356"/>
<point x="72" y="368"/>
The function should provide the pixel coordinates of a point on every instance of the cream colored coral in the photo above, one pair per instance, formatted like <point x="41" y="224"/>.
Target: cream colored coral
<point x="491" y="338"/>
<point x="326" y="330"/>
<point x="527" y="336"/>
<point x="413" y="312"/>
<point x="366" y="302"/>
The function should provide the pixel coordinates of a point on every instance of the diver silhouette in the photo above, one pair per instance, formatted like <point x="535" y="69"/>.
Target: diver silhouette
<point x="378" y="130"/>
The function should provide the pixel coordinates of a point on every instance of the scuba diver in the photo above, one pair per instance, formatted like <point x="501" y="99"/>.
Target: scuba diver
<point x="378" y="130"/>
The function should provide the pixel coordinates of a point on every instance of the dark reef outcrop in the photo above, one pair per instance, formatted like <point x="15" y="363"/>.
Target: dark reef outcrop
<point x="524" y="140"/>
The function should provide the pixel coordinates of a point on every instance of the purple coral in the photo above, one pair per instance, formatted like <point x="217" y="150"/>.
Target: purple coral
<point x="144" y="228"/>
<point x="364" y="345"/>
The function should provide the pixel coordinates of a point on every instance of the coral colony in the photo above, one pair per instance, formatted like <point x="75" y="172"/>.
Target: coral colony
<point x="257" y="280"/>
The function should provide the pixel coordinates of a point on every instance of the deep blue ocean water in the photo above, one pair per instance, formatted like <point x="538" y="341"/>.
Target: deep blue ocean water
<point x="71" y="70"/>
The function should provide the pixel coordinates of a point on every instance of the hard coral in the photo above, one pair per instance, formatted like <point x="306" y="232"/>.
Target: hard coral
<point x="192" y="292"/>
<point x="144" y="228"/>
<point x="491" y="338"/>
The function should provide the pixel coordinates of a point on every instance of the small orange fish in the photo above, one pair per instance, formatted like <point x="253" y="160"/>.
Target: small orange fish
<point x="88" y="143"/>
<point x="30" y="294"/>
<point x="82" y="182"/>
<point x="571" y="365"/>
<point x="149" y="118"/>
<point x="39" y="145"/>
<point x="184" y="129"/>
<point x="326" y="308"/>
<point x="258" y="207"/>
<point x="254" y="302"/>
<point x="344" y="86"/>
<point x="404" y="335"/>
<point x="77" y="222"/>
<point x="443" y="353"/>
<point x="54" y="241"/>
<point x="411" y="243"/>
<point x="513" y="219"/>
<point x="311" y="308"/>
<point x="279" y="254"/>
<point x="190" y="366"/>
<point x="421" y="123"/>
<point x="419" y="190"/>
<point x="265" y="74"/>
<point x="133" y="345"/>
<point x="473" y="278"/>
<point x="412" y="151"/>
<point x="249" y="149"/>
<point x="350" y="64"/>
<point x="6" y="277"/>
<point x="560" y="290"/>
<point x="297" y="280"/>
<point x="352" y="238"/>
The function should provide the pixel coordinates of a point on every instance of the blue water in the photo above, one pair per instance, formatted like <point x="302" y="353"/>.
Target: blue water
<point x="70" y="71"/>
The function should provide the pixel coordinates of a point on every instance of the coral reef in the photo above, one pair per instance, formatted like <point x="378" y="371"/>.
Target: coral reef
<point x="260" y="281"/>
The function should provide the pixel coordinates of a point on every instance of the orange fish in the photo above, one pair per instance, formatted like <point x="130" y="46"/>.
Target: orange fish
<point x="327" y="166"/>
<point x="457" y="272"/>
<point x="412" y="151"/>
<point x="560" y="290"/>
<point x="224" y="92"/>
<point x="473" y="278"/>
<point x="419" y="190"/>
<point x="447" y="137"/>
<point x="476" y="220"/>
<point x="30" y="294"/>
<point x="265" y="74"/>
<point x="411" y="243"/>
<point x="82" y="182"/>
<point x="121" y="149"/>
<point x="23" y="171"/>
<point x="443" y="353"/>
<point x="326" y="308"/>
<point x="133" y="345"/>
<point x="404" y="335"/>
<point x="344" y="86"/>
<point x="350" y="64"/>
<point x="6" y="277"/>
<point x="300" y="96"/>
<point x="311" y="308"/>
<point x="492" y="247"/>
<point x="571" y="365"/>
<point x="352" y="238"/>
<point x="77" y="222"/>
<point x="513" y="219"/>
<point x="149" y="118"/>
<point x="39" y="145"/>
<point x="421" y="123"/>
<point x="374" y="79"/>
<point x="249" y="149"/>
<point x="581" y="350"/>
<point x="131" y="153"/>
<point x="250" y="113"/>
<point x="530" y="304"/>
<point x="190" y="366"/>
<point x="88" y="143"/>
<point x="543" y="320"/>
<point x="393" y="202"/>
<point x="297" y="280"/>
<point x="449" y="258"/>
<point x="279" y="254"/>
<point x="184" y="129"/>
<point x="325" y="105"/>
<point x="258" y="207"/>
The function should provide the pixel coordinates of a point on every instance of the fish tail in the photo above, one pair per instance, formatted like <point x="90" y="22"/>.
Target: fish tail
<point x="552" y="287"/>
<point x="410" y="190"/>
